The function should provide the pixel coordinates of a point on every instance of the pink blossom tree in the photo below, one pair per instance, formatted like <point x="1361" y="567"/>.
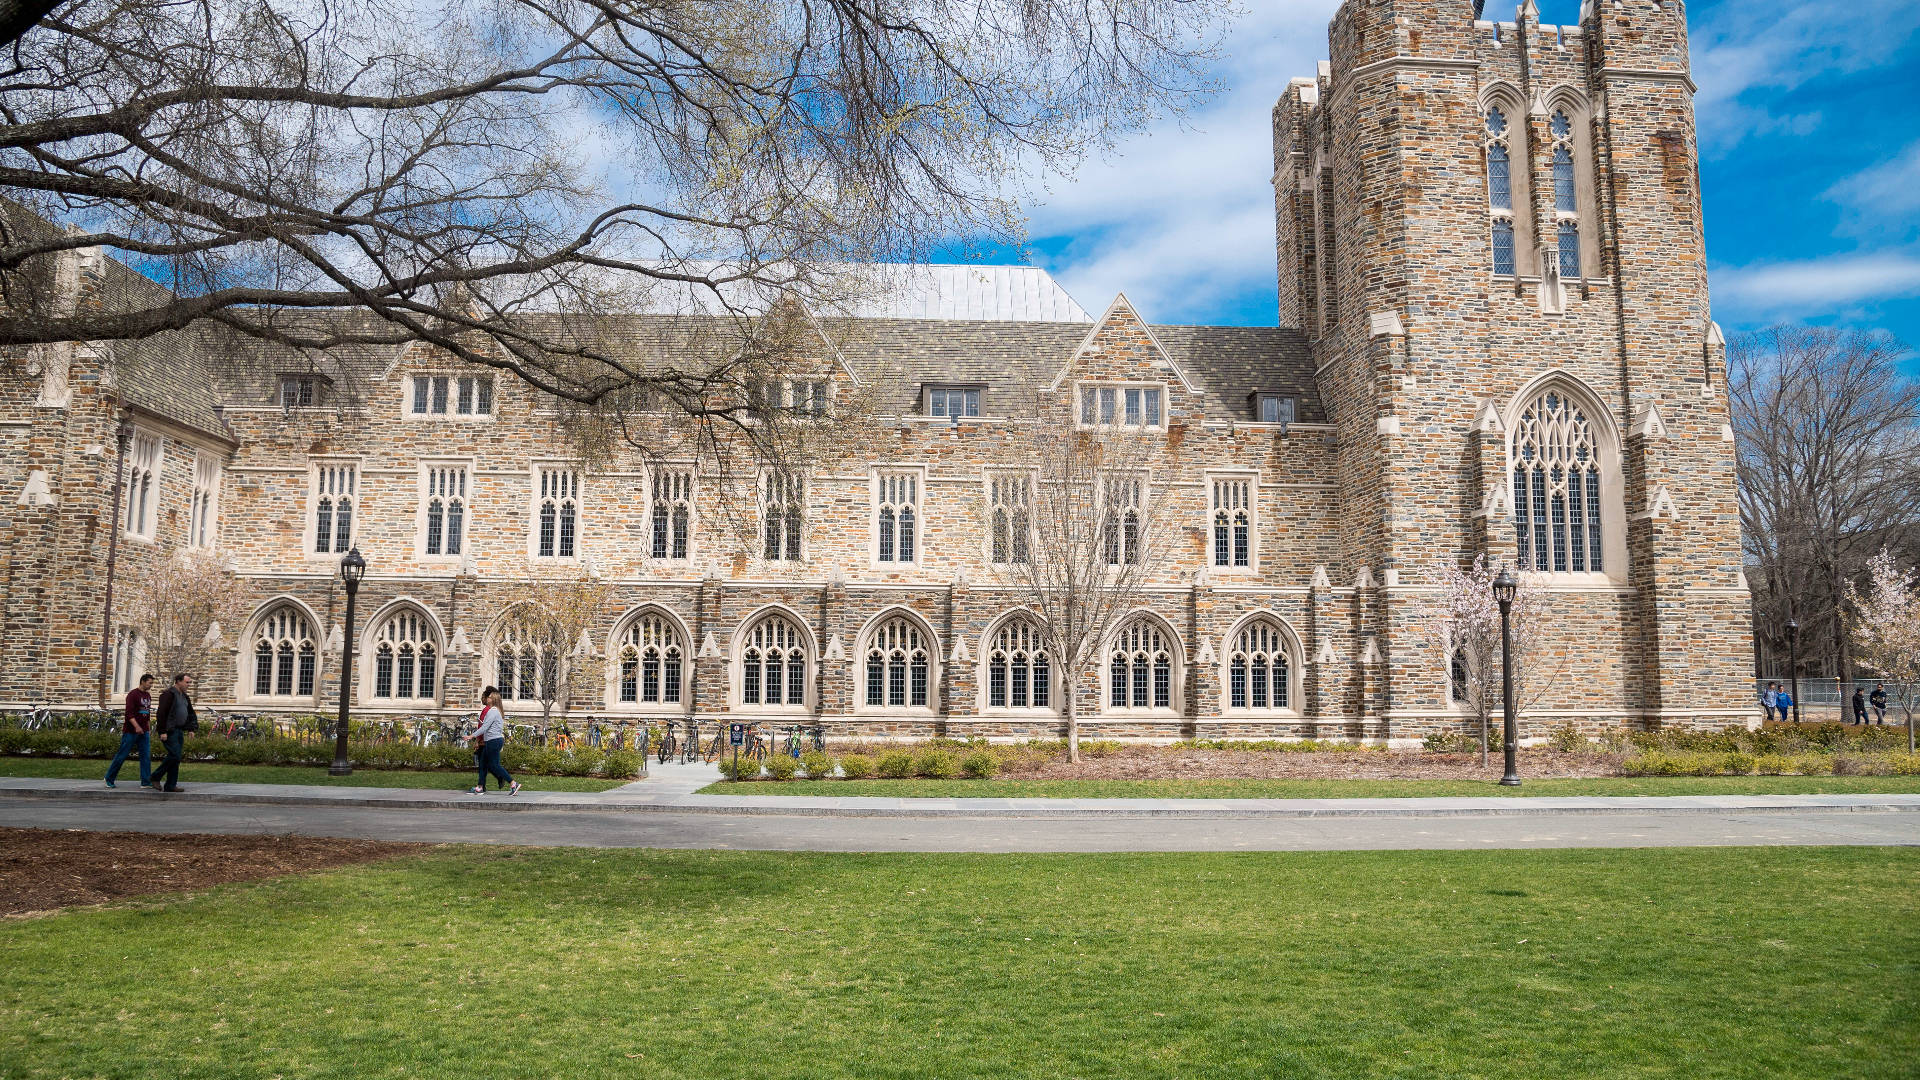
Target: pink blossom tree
<point x="1885" y="624"/>
<point x="1468" y="637"/>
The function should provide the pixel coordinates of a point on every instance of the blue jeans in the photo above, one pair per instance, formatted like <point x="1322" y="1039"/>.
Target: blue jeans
<point x="129" y="740"/>
<point x="488" y="757"/>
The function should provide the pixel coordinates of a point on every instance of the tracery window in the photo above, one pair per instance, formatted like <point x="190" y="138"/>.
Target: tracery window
<point x="773" y="664"/>
<point x="1232" y="499"/>
<point x="1500" y="190"/>
<point x="129" y="658"/>
<point x="1121" y="521"/>
<point x="1556" y="487"/>
<point x="1019" y="672"/>
<point x="444" y="509"/>
<point x="1458" y="680"/>
<point x="143" y="486"/>
<point x="526" y="660"/>
<point x="405" y="657"/>
<point x="896" y="516"/>
<point x="557" y="513"/>
<point x="203" y="510"/>
<point x="897" y="666"/>
<point x="334" y="493"/>
<point x="783" y="501"/>
<point x="1140" y="667"/>
<point x="651" y="661"/>
<point x="285" y="654"/>
<point x="1010" y="524"/>
<point x="672" y="513"/>
<point x="1258" y="675"/>
<point x="1566" y="197"/>
<point x="462" y="395"/>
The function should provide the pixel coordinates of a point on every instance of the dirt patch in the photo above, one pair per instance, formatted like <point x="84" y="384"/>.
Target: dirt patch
<point x="44" y="869"/>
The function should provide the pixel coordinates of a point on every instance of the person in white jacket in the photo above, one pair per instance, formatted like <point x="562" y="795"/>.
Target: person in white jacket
<point x="488" y="738"/>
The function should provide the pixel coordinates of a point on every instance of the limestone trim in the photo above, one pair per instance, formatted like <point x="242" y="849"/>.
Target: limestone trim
<point x="1232" y="524"/>
<point x="145" y="464"/>
<point x="621" y="652"/>
<point x="401" y="622"/>
<point x="1014" y="636"/>
<point x="264" y="625"/>
<point x="771" y="628"/>
<point x="868" y="645"/>
<point x="1292" y="651"/>
<point x="443" y="516"/>
<point x="1609" y="447"/>
<point x="556" y="511"/>
<point x="897" y="525"/>
<point x="1141" y="639"/>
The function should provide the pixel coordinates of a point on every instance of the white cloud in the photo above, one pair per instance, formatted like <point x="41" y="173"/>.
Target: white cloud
<point x="1813" y="286"/>
<point x="1889" y="191"/>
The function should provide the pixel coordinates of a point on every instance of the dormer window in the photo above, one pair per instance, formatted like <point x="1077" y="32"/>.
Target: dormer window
<point x="953" y="401"/>
<point x="301" y="391"/>
<point x="1274" y="408"/>
<point x="1122" y="406"/>
<point x="808" y="397"/>
<point x="451" y="395"/>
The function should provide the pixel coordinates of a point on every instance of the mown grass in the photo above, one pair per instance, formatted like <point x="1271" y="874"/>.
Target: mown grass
<point x="1323" y="789"/>
<point x="192" y="772"/>
<point x="1702" y="962"/>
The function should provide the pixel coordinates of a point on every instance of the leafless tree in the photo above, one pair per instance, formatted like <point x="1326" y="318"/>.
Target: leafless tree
<point x="182" y="608"/>
<point x="547" y="622"/>
<point x="1885" y="622"/>
<point x="1828" y="435"/>
<point x="1095" y="532"/>
<point x="494" y="178"/>
<point x="1468" y="638"/>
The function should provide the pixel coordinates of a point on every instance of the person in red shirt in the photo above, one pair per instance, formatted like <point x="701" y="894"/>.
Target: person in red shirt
<point x="134" y="732"/>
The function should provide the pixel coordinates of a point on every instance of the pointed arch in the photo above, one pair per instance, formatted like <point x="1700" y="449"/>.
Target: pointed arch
<point x="774" y="662"/>
<point x="279" y="653"/>
<point x="400" y="656"/>
<point x="1261" y="660"/>
<point x="1143" y="666"/>
<point x="649" y="663"/>
<point x="1017" y="672"/>
<point x="1502" y="121"/>
<point x="897" y="660"/>
<point x="1569" y="162"/>
<point x="1566" y="476"/>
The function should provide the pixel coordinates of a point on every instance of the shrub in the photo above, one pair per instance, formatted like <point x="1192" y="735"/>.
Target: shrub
<point x="621" y="765"/>
<point x="1673" y="763"/>
<point x="1772" y="764"/>
<point x="1736" y="764"/>
<point x="856" y="766"/>
<point x="582" y="761"/>
<point x="937" y="765"/>
<point x="1903" y="764"/>
<point x="1813" y="764"/>
<point x="819" y="766"/>
<point x="1567" y="739"/>
<point x="979" y="765"/>
<point x="1099" y="748"/>
<point x="895" y="765"/>
<point x="782" y="766"/>
<point x="744" y="768"/>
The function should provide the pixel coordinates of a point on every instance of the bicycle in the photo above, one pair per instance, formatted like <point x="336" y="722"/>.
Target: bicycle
<point x="690" y="753"/>
<point x="719" y="744"/>
<point x="668" y="746"/>
<point x="756" y="744"/>
<point x="793" y="741"/>
<point x="37" y="717"/>
<point x="819" y="734"/>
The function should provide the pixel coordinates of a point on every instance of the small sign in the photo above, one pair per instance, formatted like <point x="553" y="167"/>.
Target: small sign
<point x="737" y="733"/>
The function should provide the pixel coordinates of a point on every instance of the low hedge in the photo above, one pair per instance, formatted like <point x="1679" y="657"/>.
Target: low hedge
<point x="1740" y="763"/>
<point x="534" y="760"/>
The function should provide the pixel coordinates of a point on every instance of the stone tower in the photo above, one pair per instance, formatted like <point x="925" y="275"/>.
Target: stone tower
<point x="1491" y="233"/>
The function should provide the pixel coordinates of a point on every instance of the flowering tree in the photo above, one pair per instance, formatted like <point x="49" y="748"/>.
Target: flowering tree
<point x="1469" y="641"/>
<point x="180" y="609"/>
<point x="547" y="619"/>
<point x="1885" y="622"/>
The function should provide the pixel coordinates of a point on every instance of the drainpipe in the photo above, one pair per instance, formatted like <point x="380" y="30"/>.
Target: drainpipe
<point x="121" y="438"/>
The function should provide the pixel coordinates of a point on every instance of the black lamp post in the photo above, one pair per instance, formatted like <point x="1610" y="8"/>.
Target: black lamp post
<point x="352" y="568"/>
<point x="1793" y="664"/>
<point x="1504" y="588"/>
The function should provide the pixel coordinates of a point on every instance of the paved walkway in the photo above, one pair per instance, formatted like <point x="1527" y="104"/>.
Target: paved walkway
<point x="663" y="812"/>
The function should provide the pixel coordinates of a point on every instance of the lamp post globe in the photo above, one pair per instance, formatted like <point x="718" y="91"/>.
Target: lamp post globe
<point x="1505" y="588"/>
<point x="1793" y="664"/>
<point x="353" y="567"/>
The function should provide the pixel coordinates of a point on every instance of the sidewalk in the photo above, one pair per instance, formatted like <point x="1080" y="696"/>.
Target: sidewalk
<point x="672" y="790"/>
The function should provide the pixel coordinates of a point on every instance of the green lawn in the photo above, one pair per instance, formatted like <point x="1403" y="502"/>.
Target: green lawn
<point x="210" y="773"/>
<point x="1695" y="963"/>
<point x="1321" y="789"/>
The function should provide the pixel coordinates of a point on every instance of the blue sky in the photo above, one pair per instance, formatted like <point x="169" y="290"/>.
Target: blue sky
<point x="1810" y="166"/>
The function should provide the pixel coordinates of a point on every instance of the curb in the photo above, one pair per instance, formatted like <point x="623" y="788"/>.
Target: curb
<point x="803" y="806"/>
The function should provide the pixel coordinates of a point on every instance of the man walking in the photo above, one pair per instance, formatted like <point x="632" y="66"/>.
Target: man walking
<point x="176" y="717"/>
<point x="1768" y="700"/>
<point x="1879" y="700"/>
<point x="1783" y="701"/>
<point x="1859" y="705"/>
<point x="134" y="733"/>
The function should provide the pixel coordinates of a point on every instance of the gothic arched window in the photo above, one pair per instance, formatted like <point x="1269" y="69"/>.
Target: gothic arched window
<point x="1557" y="481"/>
<point x="1566" y="194"/>
<point x="285" y="654"/>
<point x="1500" y="186"/>
<point x="1259" y="676"/>
<point x="405" y="657"/>
<point x="1140" y="667"/>
<point x="898" y="668"/>
<point x="526" y="659"/>
<point x="773" y="663"/>
<point x="651" y="662"/>
<point x="1019" y="671"/>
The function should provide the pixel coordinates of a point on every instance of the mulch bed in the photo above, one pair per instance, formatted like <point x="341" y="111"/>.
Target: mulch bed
<point x="1154" y="763"/>
<point x="44" y="869"/>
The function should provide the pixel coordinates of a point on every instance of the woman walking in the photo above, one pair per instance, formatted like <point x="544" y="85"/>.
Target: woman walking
<point x="491" y="736"/>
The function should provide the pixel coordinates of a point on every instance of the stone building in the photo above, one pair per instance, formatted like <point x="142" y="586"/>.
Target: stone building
<point x="1493" y="338"/>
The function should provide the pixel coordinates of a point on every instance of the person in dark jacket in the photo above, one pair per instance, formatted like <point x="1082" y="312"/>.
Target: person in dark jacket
<point x="1859" y="705"/>
<point x="1879" y="700"/>
<point x="135" y="729"/>
<point x="175" y="717"/>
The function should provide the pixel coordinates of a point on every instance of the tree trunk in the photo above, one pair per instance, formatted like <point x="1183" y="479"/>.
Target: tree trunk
<point x="1483" y="731"/>
<point x="1073" y="720"/>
